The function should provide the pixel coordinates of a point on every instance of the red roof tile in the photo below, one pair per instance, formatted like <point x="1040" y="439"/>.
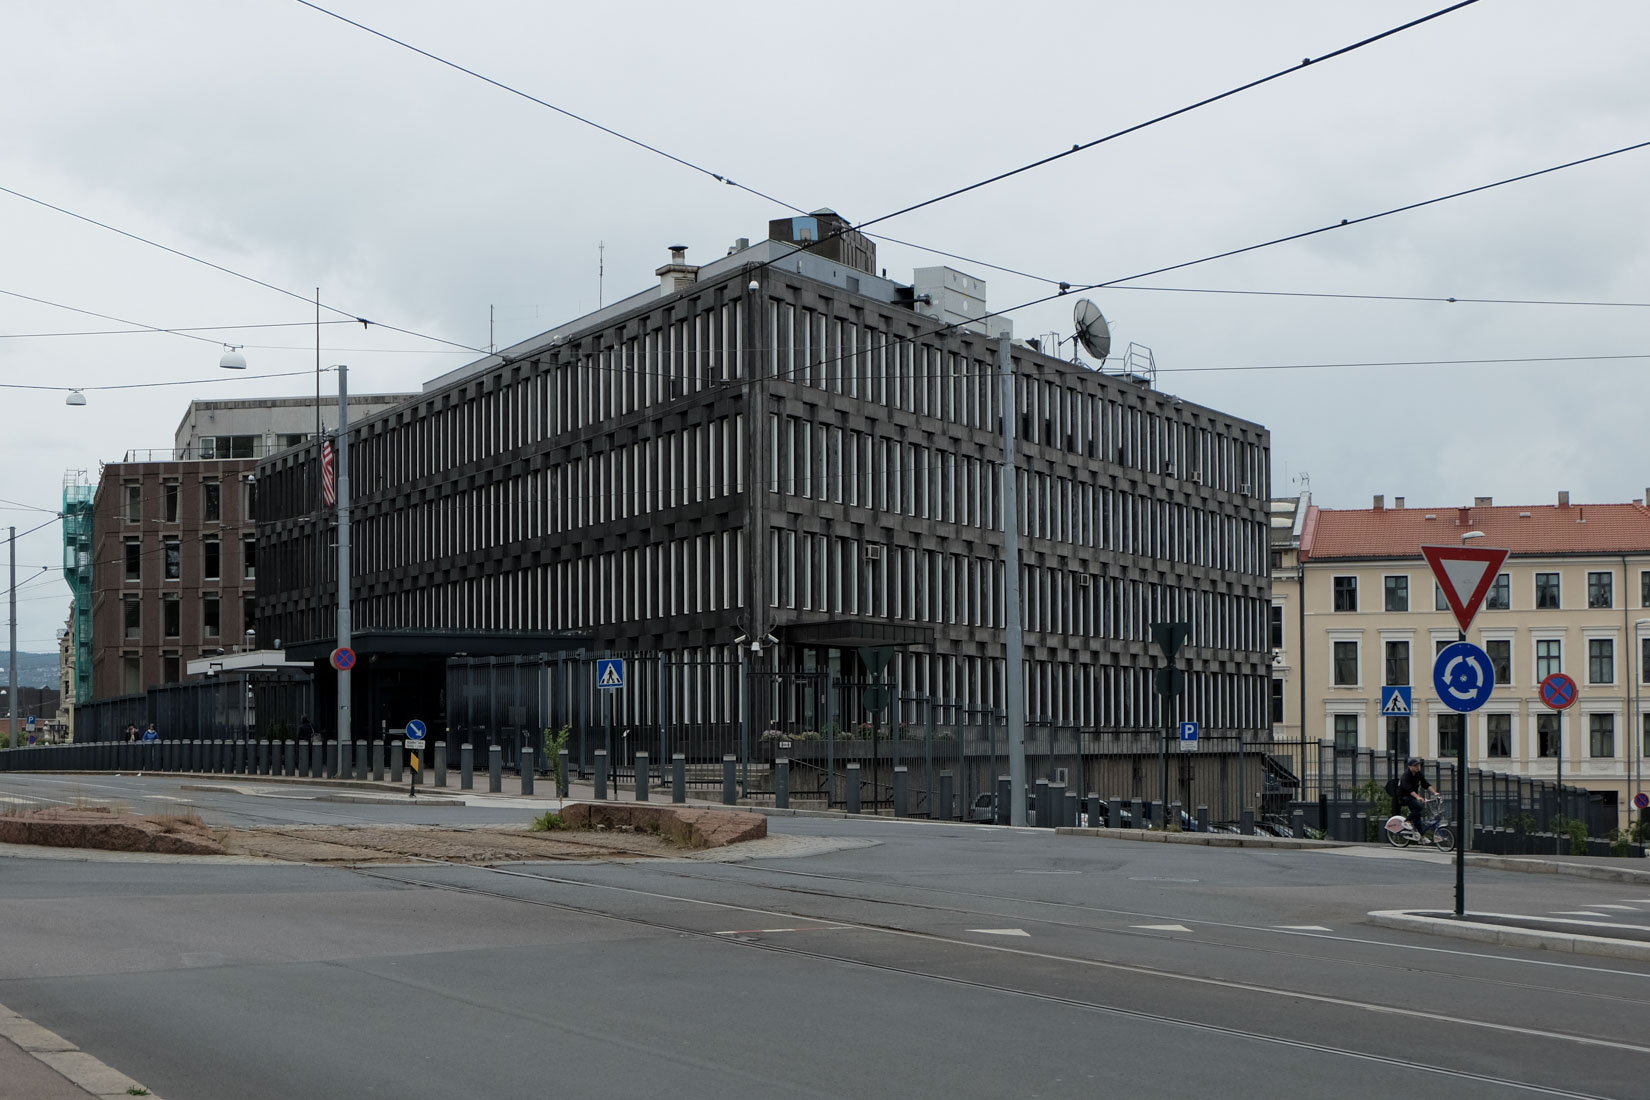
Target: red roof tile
<point x="1534" y="530"/>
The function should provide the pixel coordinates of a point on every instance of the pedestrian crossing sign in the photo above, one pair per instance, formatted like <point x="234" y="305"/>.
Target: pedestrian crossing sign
<point x="1396" y="701"/>
<point x="610" y="672"/>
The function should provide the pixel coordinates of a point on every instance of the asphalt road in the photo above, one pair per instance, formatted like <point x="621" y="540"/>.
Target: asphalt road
<point x="910" y="959"/>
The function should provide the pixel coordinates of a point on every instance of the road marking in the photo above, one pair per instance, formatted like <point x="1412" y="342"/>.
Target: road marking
<point x="999" y="931"/>
<point x="1629" y="908"/>
<point x="1163" y="927"/>
<point x="1573" y="913"/>
<point x="1304" y="928"/>
<point x="1048" y="872"/>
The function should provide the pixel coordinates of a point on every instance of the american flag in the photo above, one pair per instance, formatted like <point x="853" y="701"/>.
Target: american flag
<point x="329" y="487"/>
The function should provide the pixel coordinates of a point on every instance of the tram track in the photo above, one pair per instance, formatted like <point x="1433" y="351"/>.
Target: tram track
<point x="1119" y="1011"/>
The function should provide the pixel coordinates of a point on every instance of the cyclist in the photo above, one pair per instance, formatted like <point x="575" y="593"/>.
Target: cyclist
<point x="1410" y="784"/>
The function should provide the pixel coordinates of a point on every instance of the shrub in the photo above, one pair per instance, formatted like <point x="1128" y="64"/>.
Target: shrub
<point x="548" y="823"/>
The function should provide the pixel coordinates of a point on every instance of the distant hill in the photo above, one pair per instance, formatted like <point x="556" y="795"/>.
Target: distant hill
<point x="34" y="670"/>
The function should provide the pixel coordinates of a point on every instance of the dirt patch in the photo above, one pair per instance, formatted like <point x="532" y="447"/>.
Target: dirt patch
<point x="693" y="828"/>
<point x="379" y="844"/>
<point x="101" y="827"/>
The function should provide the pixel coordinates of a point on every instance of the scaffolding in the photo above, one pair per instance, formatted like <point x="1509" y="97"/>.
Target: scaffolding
<point x="77" y="571"/>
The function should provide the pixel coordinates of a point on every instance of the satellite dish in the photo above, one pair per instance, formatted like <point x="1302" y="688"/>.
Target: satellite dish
<point x="1092" y="331"/>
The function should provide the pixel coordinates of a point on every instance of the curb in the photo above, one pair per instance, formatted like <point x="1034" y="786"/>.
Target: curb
<point x="1575" y="870"/>
<point x="1210" y="840"/>
<point x="64" y="1058"/>
<point x="1442" y="924"/>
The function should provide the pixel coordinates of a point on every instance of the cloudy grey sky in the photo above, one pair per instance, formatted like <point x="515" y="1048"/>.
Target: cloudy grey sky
<point x="281" y="143"/>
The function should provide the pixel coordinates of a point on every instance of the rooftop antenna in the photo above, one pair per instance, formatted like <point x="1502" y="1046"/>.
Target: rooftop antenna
<point x="1092" y="331"/>
<point x="601" y="269"/>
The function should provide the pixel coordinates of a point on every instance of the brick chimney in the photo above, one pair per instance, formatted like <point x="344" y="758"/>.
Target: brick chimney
<point x="1380" y="501"/>
<point x="1563" y="498"/>
<point x="1482" y="502"/>
<point x="1397" y="502"/>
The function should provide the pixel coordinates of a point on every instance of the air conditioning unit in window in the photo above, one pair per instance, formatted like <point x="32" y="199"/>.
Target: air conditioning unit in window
<point x="1247" y="488"/>
<point x="873" y="552"/>
<point x="1060" y="776"/>
<point x="1082" y="580"/>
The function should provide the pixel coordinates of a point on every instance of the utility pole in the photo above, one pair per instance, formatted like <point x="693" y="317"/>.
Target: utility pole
<point x="11" y="705"/>
<point x="344" y="743"/>
<point x="1014" y="657"/>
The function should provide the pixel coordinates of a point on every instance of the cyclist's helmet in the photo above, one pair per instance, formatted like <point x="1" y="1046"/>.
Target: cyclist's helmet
<point x="1415" y="760"/>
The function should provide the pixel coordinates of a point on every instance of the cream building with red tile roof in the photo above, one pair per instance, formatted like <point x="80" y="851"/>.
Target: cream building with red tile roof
<point x="1357" y="609"/>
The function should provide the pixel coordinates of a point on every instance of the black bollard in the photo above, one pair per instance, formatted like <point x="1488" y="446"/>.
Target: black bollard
<point x="944" y="811"/>
<point x="361" y="759"/>
<point x="495" y="768"/>
<point x="1005" y="803"/>
<point x="1044" y="812"/>
<point x="730" y="789"/>
<point x="466" y="767"/>
<point x="398" y="759"/>
<point x="853" y="787"/>
<point x="378" y="761"/>
<point x="641" y="777"/>
<point x="564" y="775"/>
<point x="901" y="780"/>
<point x="527" y="777"/>
<point x="601" y="774"/>
<point x="782" y="783"/>
<point x="439" y="762"/>
<point x="303" y="758"/>
<point x="678" y="778"/>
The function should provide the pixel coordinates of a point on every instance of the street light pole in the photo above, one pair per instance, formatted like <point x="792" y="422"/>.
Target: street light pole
<point x="345" y="745"/>
<point x="11" y="699"/>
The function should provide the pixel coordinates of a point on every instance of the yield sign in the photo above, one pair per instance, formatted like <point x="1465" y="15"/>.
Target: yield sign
<point x="1465" y="574"/>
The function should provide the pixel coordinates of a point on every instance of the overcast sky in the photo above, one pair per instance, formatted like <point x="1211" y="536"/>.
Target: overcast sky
<point x="281" y="143"/>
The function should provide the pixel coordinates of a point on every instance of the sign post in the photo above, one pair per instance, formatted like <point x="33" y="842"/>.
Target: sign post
<point x="416" y="732"/>
<point x="1463" y="675"/>
<point x="1559" y="693"/>
<point x="1169" y="637"/>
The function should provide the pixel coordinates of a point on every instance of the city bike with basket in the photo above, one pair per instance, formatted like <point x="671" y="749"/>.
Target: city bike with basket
<point x="1401" y="832"/>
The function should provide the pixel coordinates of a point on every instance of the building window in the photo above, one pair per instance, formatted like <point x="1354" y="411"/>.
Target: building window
<point x="1397" y="736"/>
<point x="134" y="560"/>
<point x="210" y="619"/>
<point x="1644" y="588"/>
<point x="1346" y="732"/>
<point x="1549" y="658"/>
<point x="1644" y="736"/>
<point x="1346" y="593"/>
<point x="131" y="674"/>
<point x="211" y="501"/>
<point x="249" y="558"/>
<point x="133" y="510"/>
<point x="1601" y="735"/>
<point x="1546" y="591"/>
<point x="132" y="616"/>
<point x="1397" y="662"/>
<point x="1500" y="594"/>
<point x="1644" y="660"/>
<point x="171" y="669"/>
<point x="1346" y="664"/>
<point x="171" y="616"/>
<point x="1449" y="734"/>
<point x="249" y="617"/>
<point x="1499" y="727"/>
<point x="1439" y="603"/>
<point x="173" y="559"/>
<point x="1277" y="701"/>
<point x="170" y="496"/>
<point x="1548" y="734"/>
<point x="1601" y="661"/>
<point x="1499" y="651"/>
<point x="211" y="559"/>
<point x="1397" y="593"/>
<point x="1277" y="626"/>
<point x="1601" y="590"/>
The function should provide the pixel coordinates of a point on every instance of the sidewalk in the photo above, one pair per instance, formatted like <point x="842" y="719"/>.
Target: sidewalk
<point x="42" y="1065"/>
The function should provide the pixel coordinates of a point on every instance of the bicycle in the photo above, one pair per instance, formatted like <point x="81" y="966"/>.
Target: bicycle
<point x="1401" y="832"/>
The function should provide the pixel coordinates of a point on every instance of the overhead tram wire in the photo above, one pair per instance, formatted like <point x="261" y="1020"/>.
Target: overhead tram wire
<point x="1305" y="63"/>
<point x="1344" y="223"/>
<point x="306" y="299"/>
<point x="810" y="245"/>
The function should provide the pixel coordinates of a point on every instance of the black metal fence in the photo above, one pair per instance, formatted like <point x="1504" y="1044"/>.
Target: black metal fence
<point x="244" y="704"/>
